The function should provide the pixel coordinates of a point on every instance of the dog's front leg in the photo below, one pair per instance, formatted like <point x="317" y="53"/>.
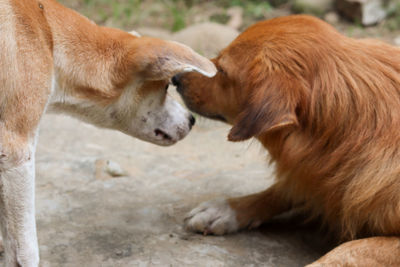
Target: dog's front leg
<point x="230" y="215"/>
<point x="17" y="210"/>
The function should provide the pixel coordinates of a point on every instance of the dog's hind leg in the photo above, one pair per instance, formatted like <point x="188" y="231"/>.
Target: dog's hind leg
<point x="17" y="207"/>
<point x="230" y="215"/>
<point x="368" y="252"/>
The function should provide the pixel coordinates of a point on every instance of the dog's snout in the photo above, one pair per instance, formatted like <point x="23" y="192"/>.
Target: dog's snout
<point x="192" y="121"/>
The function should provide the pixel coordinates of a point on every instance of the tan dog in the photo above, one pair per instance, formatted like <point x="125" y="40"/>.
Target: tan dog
<point x="52" y="56"/>
<point x="327" y="108"/>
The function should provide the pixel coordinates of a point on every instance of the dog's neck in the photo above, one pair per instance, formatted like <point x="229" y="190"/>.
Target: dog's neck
<point x="86" y="57"/>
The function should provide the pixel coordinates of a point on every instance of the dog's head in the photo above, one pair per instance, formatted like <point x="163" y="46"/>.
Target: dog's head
<point x="263" y="78"/>
<point x="156" y="117"/>
<point x="130" y="95"/>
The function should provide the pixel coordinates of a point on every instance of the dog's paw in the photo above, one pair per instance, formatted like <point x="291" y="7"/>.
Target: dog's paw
<point x="212" y="217"/>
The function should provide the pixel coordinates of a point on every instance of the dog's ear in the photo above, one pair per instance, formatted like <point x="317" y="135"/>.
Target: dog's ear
<point x="161" y="60"/>
<point x="271" y="106"/>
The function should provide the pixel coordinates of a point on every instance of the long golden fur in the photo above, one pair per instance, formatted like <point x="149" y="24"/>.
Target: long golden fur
<point x="327" y="108"/>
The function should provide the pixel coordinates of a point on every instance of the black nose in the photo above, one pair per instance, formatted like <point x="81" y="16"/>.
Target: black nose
<point x="192" y="121"/>
<point x="175" y="80"/>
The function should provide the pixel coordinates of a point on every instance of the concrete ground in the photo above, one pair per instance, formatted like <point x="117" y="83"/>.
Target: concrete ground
<point x="86" y="217"/>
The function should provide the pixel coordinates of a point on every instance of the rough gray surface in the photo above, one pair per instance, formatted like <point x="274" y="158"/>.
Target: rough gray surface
<point x="85" y="217"/>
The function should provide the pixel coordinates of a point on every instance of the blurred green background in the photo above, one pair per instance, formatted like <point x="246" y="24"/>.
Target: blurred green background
<point x="169" y="14"/>
<point x="174" y="15"/>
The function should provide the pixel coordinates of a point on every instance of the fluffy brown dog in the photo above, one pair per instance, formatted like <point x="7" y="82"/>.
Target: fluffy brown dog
<point x="327" y="108"/>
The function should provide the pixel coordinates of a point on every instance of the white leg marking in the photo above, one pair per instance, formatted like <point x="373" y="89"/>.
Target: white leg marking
<point x="17" y="214"/>
<point x="212" y="217"/>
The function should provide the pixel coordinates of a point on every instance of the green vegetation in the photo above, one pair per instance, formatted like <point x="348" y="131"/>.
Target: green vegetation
<point x="393" y="21"/>
<point x="257" y="10"/>
<point x="170" y="14"/>
<point x="175" y="15"/>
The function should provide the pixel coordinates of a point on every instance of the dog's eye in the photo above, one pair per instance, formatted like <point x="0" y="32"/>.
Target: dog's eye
<point x="221" y="70"/>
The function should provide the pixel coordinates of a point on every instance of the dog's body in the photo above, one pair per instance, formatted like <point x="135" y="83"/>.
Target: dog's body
<point x="327" y="108"/>
<point x="52" y="56"/>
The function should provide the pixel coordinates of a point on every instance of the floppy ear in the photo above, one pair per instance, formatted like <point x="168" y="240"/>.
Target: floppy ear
<point x="161" y="60"/>
<point x="270" y="107"/>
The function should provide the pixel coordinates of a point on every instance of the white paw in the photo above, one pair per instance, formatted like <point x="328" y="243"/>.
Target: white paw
<point x="212" y="217"/>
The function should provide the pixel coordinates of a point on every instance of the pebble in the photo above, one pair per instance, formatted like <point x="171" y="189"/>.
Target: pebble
<point x="114" y="169"/>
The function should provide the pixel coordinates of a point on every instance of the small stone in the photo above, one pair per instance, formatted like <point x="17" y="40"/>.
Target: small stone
<point x="106" y="169"/>
<point x="113" y="169"/>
